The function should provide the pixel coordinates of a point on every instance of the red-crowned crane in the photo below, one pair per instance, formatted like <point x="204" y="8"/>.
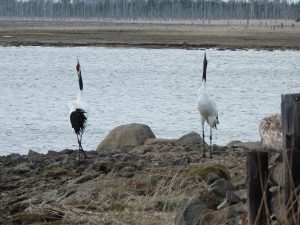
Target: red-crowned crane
<point x="77" y="115"/>
<point x="207" y="109"/>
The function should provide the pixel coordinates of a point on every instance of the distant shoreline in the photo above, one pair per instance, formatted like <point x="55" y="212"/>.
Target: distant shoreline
<point x="219" y="34"/>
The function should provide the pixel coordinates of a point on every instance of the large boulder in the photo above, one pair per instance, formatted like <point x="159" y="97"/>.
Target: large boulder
<point x="270" y="129"/>
<point x="133" y="134"/>
<point x="189" y="139"/>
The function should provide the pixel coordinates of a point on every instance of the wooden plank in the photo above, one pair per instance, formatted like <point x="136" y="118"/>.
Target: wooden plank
<point x="290" y="111"/>
<point x="258" y="197"/>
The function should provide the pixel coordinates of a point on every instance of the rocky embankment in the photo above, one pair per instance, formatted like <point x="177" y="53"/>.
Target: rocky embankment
<point x="153" y="181"/>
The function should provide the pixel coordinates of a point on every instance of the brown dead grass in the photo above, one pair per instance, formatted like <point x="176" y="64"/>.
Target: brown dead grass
<point x="176" y="34"/>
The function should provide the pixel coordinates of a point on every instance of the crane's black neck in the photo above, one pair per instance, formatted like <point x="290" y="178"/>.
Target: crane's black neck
<point x="204" y="68"/>
<point x="80" y="81"/>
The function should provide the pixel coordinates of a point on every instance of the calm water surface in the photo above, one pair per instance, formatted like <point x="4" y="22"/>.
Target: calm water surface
<point x="157" y="87"/>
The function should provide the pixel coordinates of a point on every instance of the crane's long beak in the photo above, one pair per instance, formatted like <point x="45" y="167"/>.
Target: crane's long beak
<point x="204" y="68"/>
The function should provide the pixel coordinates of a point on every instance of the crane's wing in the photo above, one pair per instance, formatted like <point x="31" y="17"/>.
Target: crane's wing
<point x="78" y="120"/>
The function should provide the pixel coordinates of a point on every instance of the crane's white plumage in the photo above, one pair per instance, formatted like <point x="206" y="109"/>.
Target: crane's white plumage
<point x="207" y="107"/>
<point x="78" y="116"/>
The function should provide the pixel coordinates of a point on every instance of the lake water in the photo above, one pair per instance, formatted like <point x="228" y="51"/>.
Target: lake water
<point x="158" y="87"/>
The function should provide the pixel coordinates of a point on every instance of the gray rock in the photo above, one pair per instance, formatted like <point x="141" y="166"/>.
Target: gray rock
<point x="131" y="134"/>
<point x="241" y="194"/>
<point x="256" y="145"/>
<point x="220" y="187"/>
<point x="22" y="168"/>
<point x="14" y="159"/>
<point x="146" y="148"/>
<point x="190" y="138"/>
<point x="86" y="177"/>
<point x="232" y="198"/>
<point x="192" y="212"/>
<point x="3" y="220"/>
<point x="223" y="216"/>
<point x="270" y="129"/>
<point x="32" y="154"/>
<point x="160" y="141"/>
<point x="232" y="221"/>
<point x="233" y="144"/>
<point x="274" y="189"/>
<point x="277" y="201"/>
<point x="277" y="174"/>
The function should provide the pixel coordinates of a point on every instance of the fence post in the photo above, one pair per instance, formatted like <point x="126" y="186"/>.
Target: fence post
<point x="290" y="112"/>
<point x="258" y="197"/>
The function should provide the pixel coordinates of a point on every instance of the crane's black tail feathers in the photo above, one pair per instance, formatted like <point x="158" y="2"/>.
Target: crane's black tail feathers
<point x="78" y="122"/>
<point x="215" y="123"/>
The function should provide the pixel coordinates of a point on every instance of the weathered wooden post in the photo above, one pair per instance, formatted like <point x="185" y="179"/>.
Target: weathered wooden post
<point x="290" y="112"/>
<point x="258" y="197"/>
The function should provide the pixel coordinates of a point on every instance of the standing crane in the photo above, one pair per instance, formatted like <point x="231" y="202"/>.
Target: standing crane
<point x="207" y="109"/>
<point x="77" y="115"/>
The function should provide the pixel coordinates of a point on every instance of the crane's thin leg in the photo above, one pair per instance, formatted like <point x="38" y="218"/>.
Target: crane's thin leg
<point x="210" y="146"/>
<point x="79" y="144"/>
<point x="203" y="136"/>
<point x="81" y="149"/>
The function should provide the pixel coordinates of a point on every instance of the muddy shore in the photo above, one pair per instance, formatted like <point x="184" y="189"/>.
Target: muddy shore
<point x="269" y="35"/>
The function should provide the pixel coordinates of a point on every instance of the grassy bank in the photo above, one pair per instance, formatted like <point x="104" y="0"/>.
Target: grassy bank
<point x="154" y="34"/>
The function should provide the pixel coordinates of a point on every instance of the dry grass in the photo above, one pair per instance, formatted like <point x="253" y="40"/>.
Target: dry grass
<point x="151" y="197"/>
<point x="178" y="34"/>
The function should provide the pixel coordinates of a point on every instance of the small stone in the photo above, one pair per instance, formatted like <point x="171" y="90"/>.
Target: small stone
<point x="192" y="212"/>
<point x="277" y="174"/>
<point x="33" y="154"/>
<point x="232" y="198"/>
<point x="86" y="177"/>
<point x="220" y="187"/>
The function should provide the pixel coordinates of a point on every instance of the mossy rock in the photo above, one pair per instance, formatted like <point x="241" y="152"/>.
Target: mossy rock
<point x="209" y="173"/>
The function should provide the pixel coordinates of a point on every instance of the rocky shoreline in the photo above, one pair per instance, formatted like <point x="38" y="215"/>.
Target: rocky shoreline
<point x="157" y="182"/>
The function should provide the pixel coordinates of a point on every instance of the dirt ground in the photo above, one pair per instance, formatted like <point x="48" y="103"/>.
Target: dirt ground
<point x="233" y="34"/>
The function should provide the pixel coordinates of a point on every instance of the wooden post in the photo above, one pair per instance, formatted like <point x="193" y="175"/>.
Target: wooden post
<point x="290" y="112"/>
<point x="258" y="197"/>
